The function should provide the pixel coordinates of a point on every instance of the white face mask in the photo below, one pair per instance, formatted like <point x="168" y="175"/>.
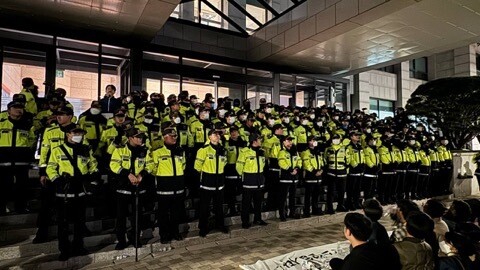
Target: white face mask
<point x="231" y="120"/>
<point x="297" y="118"/>
<point x="444" y="142"/>
<point x="194" y="101"/>
<point x="420" y="129"/>
<point x="336" y="118"/>
<point x="177" y="120"/>
<point x="95" y="111"/>
<point x="390" y="135"/>
<point x="77" y="138"/>
<point x="372" y="143"/>
<point x="221" y="113"/>
<point x="271" y="122"/>
<point x="304" y="122"/>
<point x="197" y="111"/>
<point x="148" y="120"/>
<point x="129" y="99"/>
<point x="204" y="116"/>
<point x="268" y="110"/>
<point x="286" y="120"/>
<point x="411" y="142"/>
<point x="368" y="130"/>
<point x="243" y="117"/>
<point x="336" y="141"/>
<point x="315" y="144"/>
<point x="320" y="123"/>
<point x="312" y="116"/>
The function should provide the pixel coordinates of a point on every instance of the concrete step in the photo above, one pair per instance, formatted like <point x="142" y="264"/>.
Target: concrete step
<point x="27" y="249"/>
<point x="107" y="255"/>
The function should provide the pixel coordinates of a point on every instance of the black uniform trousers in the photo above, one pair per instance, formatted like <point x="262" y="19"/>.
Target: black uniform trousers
<point x="272" y="187"/>
<point x="401" y="181"/>
<point x="124" y="203"/>
<point x="354" y="183"/>
<point x="248" y="195"/>
<point x="14" y="187"/>
<point x="170" y="211"/>
<point x="386" y="189"/>
<point x="285" y="189"/>
<point x="446" y="178"/>
<point x="70" y="210"/>
<point x="46" y="212"/>
<point x="369" y="185"/>
<point x="233" y="187"/>
<point x="312" y="194"/>
<point x="411" y="184"/>
<point x="336" y="183"/>
<point x="206" y="196"/>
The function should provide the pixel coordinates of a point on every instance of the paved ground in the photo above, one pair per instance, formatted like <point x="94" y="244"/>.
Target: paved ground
<point x="263" y="243"/>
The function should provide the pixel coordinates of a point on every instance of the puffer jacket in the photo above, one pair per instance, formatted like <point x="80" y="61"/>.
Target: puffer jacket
<point x="415" y="254"/>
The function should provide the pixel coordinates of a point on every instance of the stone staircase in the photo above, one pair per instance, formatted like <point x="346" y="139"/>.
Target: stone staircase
<point x="18" y="230"/>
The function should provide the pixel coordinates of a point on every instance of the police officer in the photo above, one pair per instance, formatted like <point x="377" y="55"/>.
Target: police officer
<point x="413" y="164"/>
<point x="372" y="162"/>
<point x="128" y="162"/>
<point x="355" y="172"/>
<point x="250" y="166"/>
<point x="424" y="170"/>
<point x="302" y="132"/>
<point x="290" y="165"/>
<point x="388" y="166"/>
<point x="93" y="122"/>
<point x="70" y="166"/>
<point x="312" y="159"/>
<point x="210" y="163"/>
<point x="52" y="137"/>
<point x="167" y="165"/>
<point x="401" y="158"/>
<point x="272" y="146"/>
<point x="135" y="107"/>
<point x="233" y="186"/>
<point x="31" y="104"/>
<point x="336" y="161"/>
<point x="446" y="165"/>
<point x="199" y="129"/>
<point x="17" y="142"/>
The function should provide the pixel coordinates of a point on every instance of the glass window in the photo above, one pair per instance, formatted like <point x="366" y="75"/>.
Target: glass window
<point x="418" y="69"/>
<point x="18" y="64"/>
<point x="259" y="73"/>
<point x="383" y="108"/>
<point x="170" y="86"/>
<point x="77" y="44"/>
<point x="210" y="17"/>
<point x="198" y="87"/>
<point x="77" y="73"/>
<point x="211" y="65"/>
<point x="256" y="92"/>
<point x="231" y="90"/>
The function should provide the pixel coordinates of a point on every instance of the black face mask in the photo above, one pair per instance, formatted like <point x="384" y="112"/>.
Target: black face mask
<point x="246" y="106"/>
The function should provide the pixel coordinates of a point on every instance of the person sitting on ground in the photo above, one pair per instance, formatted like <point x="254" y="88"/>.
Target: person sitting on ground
<point x="414" y="252"/>
<point x="460" y="250"/>
<point x="436" y="210"/>
<point x="399" y="216"/>
<point x="458" y="219"/>
<point x="374" y="211"/>
<point x="364" y="255"/>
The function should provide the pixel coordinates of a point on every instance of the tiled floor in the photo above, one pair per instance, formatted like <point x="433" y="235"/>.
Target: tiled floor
<point x="229" y="253"/>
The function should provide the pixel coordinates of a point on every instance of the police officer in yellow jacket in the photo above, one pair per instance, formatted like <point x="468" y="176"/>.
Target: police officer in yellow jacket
<point x="17" y="142"/>
<point x="93" y="122"/>
<point x="52" y="137"/>
<point x="312" y="159"/>
<point x="386" y="179"/>
<point x="233" y="185"/>
<point x="413" y="158"/>
<point x="372" y="163"/>
<point x="424" y="171"/>
<point x="446" y="165"/>
<point x="336" y="162"/>
<point x="272" y="146"/>
<point x="290" y="165"/>
<point x="128" y="162"/>
<point x="401" y="158"/>
<point x="210" y="163"/>
<point x="250" y="165"/>
<point x="167" y="165"/>
<point x="356" y="169"/>
<point x="70" y="166"/>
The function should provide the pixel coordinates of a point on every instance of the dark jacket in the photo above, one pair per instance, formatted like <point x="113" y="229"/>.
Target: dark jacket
<point x="369" y="256"/>
<point x="109" y="105"/>
<point x="379" y="235"/>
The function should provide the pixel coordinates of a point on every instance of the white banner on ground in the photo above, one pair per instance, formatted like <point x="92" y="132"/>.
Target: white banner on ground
<point x="310" y="258"/>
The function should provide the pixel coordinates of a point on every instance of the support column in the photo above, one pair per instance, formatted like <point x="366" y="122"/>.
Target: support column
<point x="136" y="56"/>
<point x="50" y="69"/>
<point x="465" y="61"/>
<point x="403" y="87"/>
<point x="355" y="94"/>
<point x="276" y="89"/>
